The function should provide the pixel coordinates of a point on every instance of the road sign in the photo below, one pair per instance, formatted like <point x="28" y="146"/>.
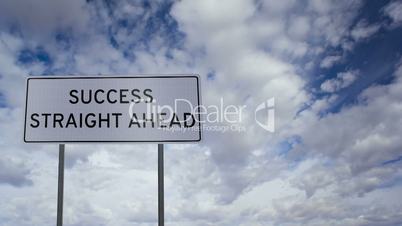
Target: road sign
<point x="155" y="109"/>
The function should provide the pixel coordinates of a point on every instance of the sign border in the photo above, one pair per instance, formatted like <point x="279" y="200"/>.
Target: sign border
<point x="196" y="76"/>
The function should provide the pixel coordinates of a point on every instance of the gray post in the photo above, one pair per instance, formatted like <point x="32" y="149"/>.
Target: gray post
<point x="161" y="207"/>
<point x="60" y="186"/>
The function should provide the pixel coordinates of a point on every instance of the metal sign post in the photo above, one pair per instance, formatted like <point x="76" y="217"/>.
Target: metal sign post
<point x="161" y="201"/>
<point x="60" y="190"/>
<point x="161" y="190"/>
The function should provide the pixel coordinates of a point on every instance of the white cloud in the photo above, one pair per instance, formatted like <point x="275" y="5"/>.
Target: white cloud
<point x="342" y="80"/>
<point x="299" y="27"/>
<point x="231" y="50"/>
<point x="14" y="172"/>
<point x="356" y="143"/>
<point x="333" y="19"/>
<point x="41" y="19"/>
<point x="363" y="30"/>
<point x="329" y="61"/>
<point x="278" y="7"/>
<point x="394" y="11"/>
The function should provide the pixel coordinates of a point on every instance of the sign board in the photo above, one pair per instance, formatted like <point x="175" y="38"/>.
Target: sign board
<point x="112" y="109"/>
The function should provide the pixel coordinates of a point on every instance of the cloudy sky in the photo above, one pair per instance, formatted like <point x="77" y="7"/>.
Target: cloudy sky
<point x="333" y="67"/>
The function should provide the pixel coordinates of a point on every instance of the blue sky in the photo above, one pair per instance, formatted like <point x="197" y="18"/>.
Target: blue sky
<point x="333" y="67"/>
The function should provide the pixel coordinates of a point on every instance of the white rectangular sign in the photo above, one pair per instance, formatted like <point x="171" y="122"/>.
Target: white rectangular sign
<point x="112" y="109"/>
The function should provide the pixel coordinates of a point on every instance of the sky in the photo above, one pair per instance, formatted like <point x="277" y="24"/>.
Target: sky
<point x="333" y="67"/>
